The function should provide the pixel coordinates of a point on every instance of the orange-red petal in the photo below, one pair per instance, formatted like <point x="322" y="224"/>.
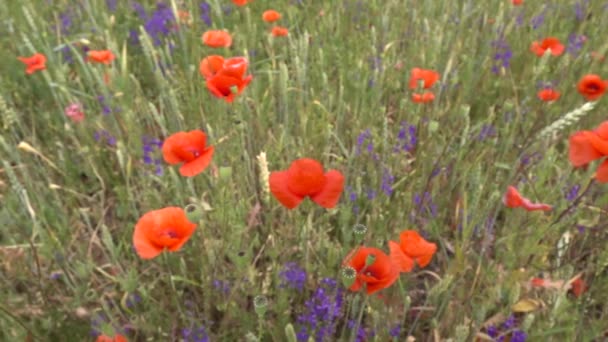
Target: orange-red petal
<point x="512" y="198"/>
<point x="278" y="187"/>
<point x="211" y="65"/>
<point x="601" y="174"/>
<point x="402" y="261"/>
<point x="197" y="165"/>
<point x="581" y="151"/>
<point x="329" y="196"/>
<point x="143" y="246"/>
<point x="305" y="177"/>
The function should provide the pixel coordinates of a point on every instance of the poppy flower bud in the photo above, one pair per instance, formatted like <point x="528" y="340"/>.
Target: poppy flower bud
<point x="234" y="89"/>
<point x="359" y="230"/>
<point x="194" y="213"/>
<point x="349" y="275"/>
<point x="260" y="304"/>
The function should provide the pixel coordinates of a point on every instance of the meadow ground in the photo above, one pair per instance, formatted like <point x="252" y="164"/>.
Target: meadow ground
<point x="427" y="111"/>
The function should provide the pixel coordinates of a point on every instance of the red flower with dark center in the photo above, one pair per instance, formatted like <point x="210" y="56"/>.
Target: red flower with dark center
<point x="189" y="149"/>
<point x="167" y="228"/>
<point x="230" y="80"/>
<point x="374" y="269"/>
<point x="592" y="87"/>
<point x="553" y="44"/>
<point x="306" y="178"/>
<point x="548" y="94"/>
<point x="427" y="77"/>
<point x="513" y="199"/>
<point x="33" y="63"/>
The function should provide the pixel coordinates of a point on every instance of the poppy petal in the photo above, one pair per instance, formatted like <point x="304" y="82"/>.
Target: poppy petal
<point x="280" y="190"/>
<point x="581" y="152"/>
<point x="331" y="192"/>
<point x="530" y="206"/>
<point x="198" y="165"/>
<point x="402" y="261"/>
<point x="601" y="174"/>
<point x="169" y="147"/>
<point x="599" y="144"/>
<point x="143" y="246"/>
<point x="512" y="198"/>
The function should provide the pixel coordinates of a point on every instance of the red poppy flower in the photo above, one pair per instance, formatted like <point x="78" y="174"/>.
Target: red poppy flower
<point x="189" y="148"/>
<point x="513" y="199"/>
<point x="374" y="268"/>
<point x="240" y="2"/>
<point x="210" y="65"/>
<point x="33" y="63"/>
<point x="592" y="87"/>
<point x="553" y="44"/>
<point x="279" y="31"/>
<point x="425" y="97"/>
<point x="428" y="77"/>
<point x="271" y="16"/>
<point x="548" y="94"/>
<point x="100" y="56"/>
<point x="517" y="2"/>
<point x="167" y="228"/>
<point x="305" y="178"/>
<point x="411" y="247"/>
<point x="217" y="39"/>
<point x="230" y="80"/>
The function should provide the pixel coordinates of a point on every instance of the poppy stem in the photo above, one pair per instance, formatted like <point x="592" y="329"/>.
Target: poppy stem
<point x="574" y="203"/>
<point x="173" y="289"/>
<point x="355" y="331"/>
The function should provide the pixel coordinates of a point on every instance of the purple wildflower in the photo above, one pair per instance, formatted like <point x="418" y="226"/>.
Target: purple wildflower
<point x="133" y="299"/>
<point x="140" y="10"/>
<point x="502" y="54"/>
<point x="222" y="286"/>
<point x="509" y="323"/>
<point x="322" y="312"/>
<point x="486" y="131"/>
<point x="573" y="193"/>
<point x="158" y="24"/>
<point x="580" y="9"/>
<point x="424" y="205"/>
<point x="105" y="108"/>
<point x="575" y="43"/>
<point x="292" y="276"/>
<point x="66" y="22"/>
<point x="395" y="331"/>
<point x="196" y="334"/>
<point x="361" y="139"/>
<point x="407" y="138"/>
<point x="538" y="20"/>
<point x="111" y="4"/>
<point x="387" y="182"/>
<point x="104" y="136"/>
<point x="205" y="13"/>
<point x="518" y="336"/>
